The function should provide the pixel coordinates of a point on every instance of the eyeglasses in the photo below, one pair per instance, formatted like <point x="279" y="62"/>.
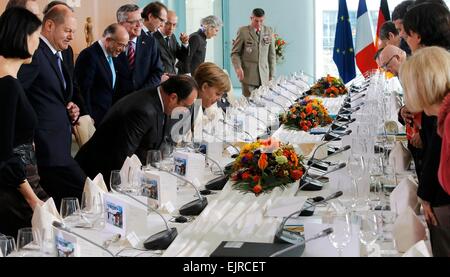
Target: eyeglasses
<point x="160" y="19"/>
<point x="134" y="22"/>
<point x="385" y="66"/>
<point x="123" y="45"/>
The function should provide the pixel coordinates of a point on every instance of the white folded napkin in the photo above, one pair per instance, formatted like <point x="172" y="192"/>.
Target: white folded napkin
<point x="400" y="157"/>
<point x="130" y="167"/>
<point x="43" y="217"/>
<point x="408" y="230"/>
<point x="404" y="196"/>
<point x="94" y="187"/>
<point x="420" y="249"/>
<point x="84" y="129"/>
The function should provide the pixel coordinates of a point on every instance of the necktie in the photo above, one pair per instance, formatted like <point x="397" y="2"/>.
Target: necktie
<point x="131" y="55"/>
<point x="168" y="41"/>
<point x="113" y="70"/>
<point x="58" y="60"/>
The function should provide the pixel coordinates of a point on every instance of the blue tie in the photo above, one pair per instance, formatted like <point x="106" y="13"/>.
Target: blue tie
<point x="58" y="59"/>
<point x="113" y="70"/>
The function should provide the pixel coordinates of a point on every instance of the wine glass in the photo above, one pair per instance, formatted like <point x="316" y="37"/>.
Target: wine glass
<point x="342" y="232"/>
<point x="91" y="209"/>
<point x="370" y="228"/>
<point x="70" y="211"/>
<point x="115" y="180"/>
<point x="7" y="245"/>
<point x="154" y="158"/>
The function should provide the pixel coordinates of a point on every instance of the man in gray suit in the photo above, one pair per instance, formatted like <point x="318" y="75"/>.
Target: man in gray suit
<point x="253" y="53"/>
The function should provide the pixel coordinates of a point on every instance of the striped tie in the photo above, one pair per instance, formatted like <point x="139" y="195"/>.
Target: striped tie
<point x="131" y="55"/>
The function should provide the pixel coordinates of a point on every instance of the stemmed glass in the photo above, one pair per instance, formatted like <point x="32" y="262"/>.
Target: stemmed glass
<point x="154" y="158"/>
<point x="342" y="232"/>
<point x="356" y="168"/>
<point x="370" y="228"/>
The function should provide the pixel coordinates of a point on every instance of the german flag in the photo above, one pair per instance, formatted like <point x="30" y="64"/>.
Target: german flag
<point x="383" y="16"/>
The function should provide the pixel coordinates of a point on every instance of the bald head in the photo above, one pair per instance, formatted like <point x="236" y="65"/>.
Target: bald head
<point x="391" y="58"/>
<point x="59" y="27"/>
<point x="115" y="39"/>
<point x="171" y="23"/>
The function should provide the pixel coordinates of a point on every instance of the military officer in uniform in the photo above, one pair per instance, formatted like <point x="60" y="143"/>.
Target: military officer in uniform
<point x="253" y="53"/>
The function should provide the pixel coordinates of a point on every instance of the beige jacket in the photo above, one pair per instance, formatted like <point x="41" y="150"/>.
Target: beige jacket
<point x="256" y="58"/>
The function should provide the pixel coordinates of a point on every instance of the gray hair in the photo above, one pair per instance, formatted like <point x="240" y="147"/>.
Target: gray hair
<point x="122" y="12"/>
<point x="211" y="21"/>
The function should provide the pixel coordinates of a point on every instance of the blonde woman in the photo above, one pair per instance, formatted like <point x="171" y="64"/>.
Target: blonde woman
<point x="426" y="81"/>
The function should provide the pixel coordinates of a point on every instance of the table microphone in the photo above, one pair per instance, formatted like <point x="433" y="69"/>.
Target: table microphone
<point x="194" y="207"/>
<point x="323" y="165"/>
<point x="289" y="91"/>
<point x="161" y="240"/>
<point x="295" y="84"/>
<point x="335" y="135"/>
<point x="273" y="101"/>
<point x="319" y="235"/>
<point x="350" y="100"/>
<point x="283" y="235"/>
<point x="313" y="182"/>
<point x="251" y="115"/>
<point x="61" y="226"/>
<point x="341" y="126"/>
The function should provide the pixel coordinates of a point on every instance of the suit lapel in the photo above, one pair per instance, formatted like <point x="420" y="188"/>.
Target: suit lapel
<point x="52" y="61"/>
<point x="103" y="63"/>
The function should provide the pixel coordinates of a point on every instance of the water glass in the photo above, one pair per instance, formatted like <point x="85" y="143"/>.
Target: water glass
<point x="92" y="209"/>
<point x="370" y="228"/>
<point x="342" y="232"/>
<point x="28" y="242"/>
<point x="154" y="158"/>
<point x="70" y="211"/>
<point x="7" y="245"/>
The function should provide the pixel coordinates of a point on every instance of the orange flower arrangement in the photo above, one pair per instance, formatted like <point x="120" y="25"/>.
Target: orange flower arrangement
<point x="280" y="45"/>
<point x="305" y="115"/>
<point x="328" y="87"/>
<point x="264" y="165"/>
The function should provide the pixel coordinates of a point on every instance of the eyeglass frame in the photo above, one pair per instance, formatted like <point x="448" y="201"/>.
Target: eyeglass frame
<point x="384" y="66"/>
<point x="119" y="44"/>
<point x="133" y="22"/>
<point x="159" y="18"/>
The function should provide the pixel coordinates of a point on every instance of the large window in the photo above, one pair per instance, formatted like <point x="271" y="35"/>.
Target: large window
<point x="326" y="18"/>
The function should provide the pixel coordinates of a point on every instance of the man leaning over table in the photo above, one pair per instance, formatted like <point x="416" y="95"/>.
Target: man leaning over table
<point x="135" y="125"/>
<point x="253" y="53"/>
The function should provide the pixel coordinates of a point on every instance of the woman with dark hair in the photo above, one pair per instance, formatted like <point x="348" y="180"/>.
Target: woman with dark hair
<point x="31" y="5"/>
<point x="19" y="39"/>
<point x="428" y="24"/>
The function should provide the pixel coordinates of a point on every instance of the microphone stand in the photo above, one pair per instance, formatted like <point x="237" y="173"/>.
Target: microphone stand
<point x="314" y="187"/>
<point x="194" y="207"/>
<point x="61" y="226"/>
<point x="279" y="234"/>
<point x="291" y="102"/>
<point x="322" y="234"/>
<point x="234" y="129"/>
<point x="161" y="240"/>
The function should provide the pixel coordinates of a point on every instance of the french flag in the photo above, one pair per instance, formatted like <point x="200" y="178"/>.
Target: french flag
<point x="365" y="47"/>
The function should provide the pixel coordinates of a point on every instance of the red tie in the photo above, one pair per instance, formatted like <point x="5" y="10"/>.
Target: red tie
<point x="131" y="55"/>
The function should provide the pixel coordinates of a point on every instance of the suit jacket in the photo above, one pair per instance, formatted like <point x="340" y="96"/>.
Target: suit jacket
<point x="147" y="71"/>
<point x="197" y="53"/>
<point x="44" y="86"/>
<point x="93" y="79"/>
<point x="133" y="125"/>
<point x="170" y="53"/>
<point x="255" y="56"/>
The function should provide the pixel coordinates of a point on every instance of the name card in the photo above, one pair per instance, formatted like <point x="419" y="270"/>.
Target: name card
<point x="66" y="244"/>
<point x="189" y="165"/>
<point x="159" y="187"/>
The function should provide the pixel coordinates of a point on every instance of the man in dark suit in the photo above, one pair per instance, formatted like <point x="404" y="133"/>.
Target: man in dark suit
<point x="95" y="74"/>
<point x="210" y="26"/>
<point x="169" y="47"/>
<point x="155" y="16"/>
<point x="140" y="65"/>
<point x="135" y="125"/>
<point x="48" y="84"/>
